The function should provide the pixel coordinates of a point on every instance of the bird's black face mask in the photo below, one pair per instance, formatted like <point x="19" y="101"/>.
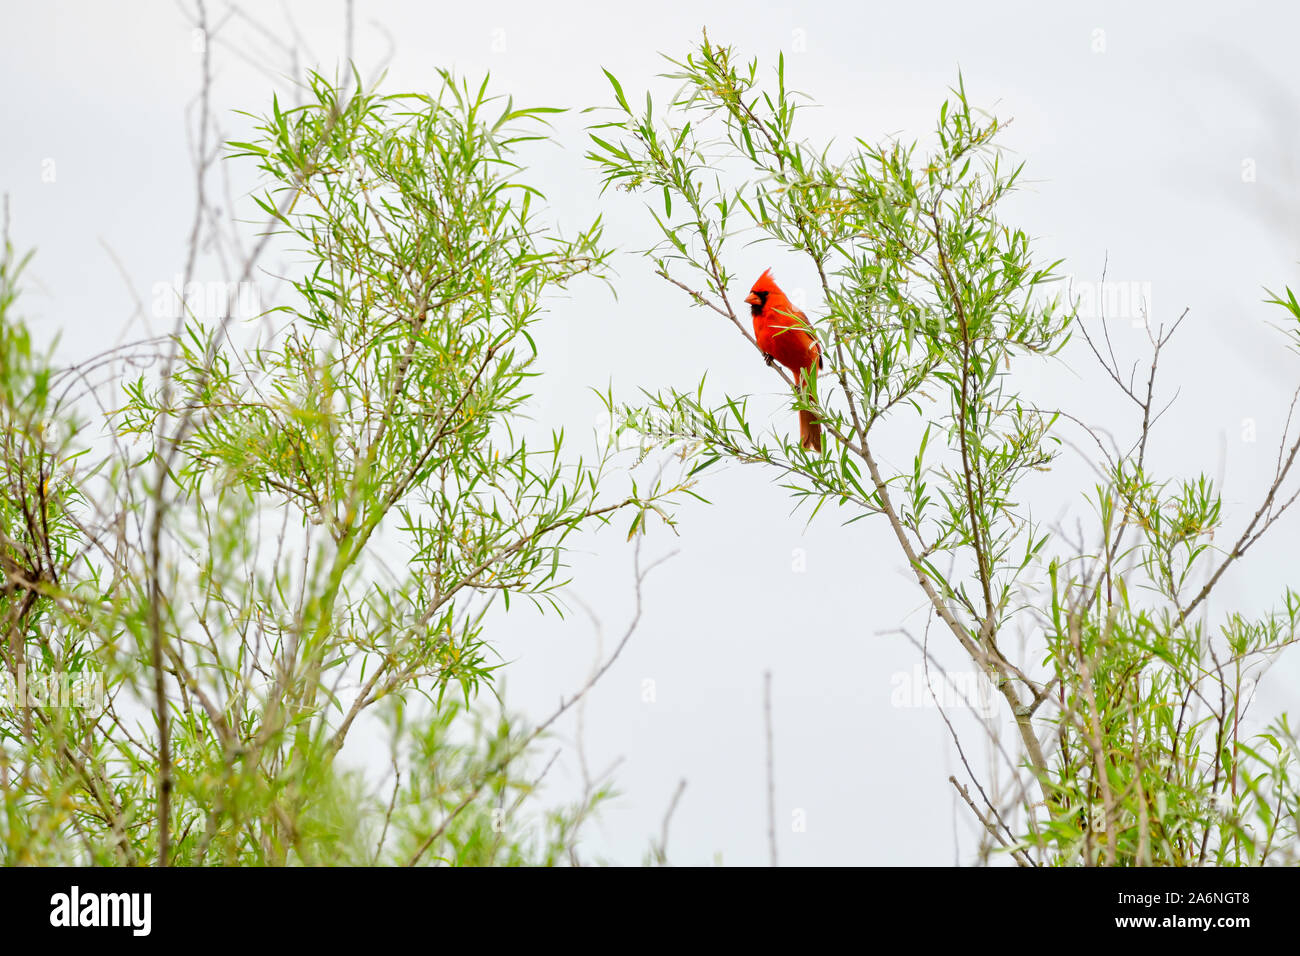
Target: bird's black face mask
<point x="757" y="307"/>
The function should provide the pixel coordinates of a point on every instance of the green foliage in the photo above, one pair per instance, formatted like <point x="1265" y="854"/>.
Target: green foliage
<point x="931" y="301"/>
<point x="278" y="539"/>
<point x="297" y="529"/>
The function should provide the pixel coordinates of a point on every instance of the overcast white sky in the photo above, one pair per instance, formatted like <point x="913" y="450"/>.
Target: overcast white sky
<point x="1162" y="138"/>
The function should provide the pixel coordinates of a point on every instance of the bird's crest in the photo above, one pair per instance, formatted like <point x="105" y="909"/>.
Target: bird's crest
<point x="766" y="283"/>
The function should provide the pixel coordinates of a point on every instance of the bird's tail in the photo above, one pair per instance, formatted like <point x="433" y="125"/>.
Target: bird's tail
<point x="810" y="428"/>
<point x="810" y="431"/>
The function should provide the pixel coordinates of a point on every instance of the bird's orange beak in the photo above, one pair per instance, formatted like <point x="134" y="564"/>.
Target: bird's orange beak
<point x="751" y="299"/>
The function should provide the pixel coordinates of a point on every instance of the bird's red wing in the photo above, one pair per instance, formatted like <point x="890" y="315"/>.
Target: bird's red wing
<point x="810" y="428"/>
<point x="807" y="327"/>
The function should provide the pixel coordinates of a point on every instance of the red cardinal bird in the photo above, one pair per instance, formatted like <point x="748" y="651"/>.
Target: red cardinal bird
<point x="785" y="335"/>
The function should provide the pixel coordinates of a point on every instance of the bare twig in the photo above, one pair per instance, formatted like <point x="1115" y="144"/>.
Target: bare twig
<point x="771" y="773"/>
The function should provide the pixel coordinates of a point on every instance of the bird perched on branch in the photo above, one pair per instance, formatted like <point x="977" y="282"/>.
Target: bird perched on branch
<point x="784" y="335"/>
